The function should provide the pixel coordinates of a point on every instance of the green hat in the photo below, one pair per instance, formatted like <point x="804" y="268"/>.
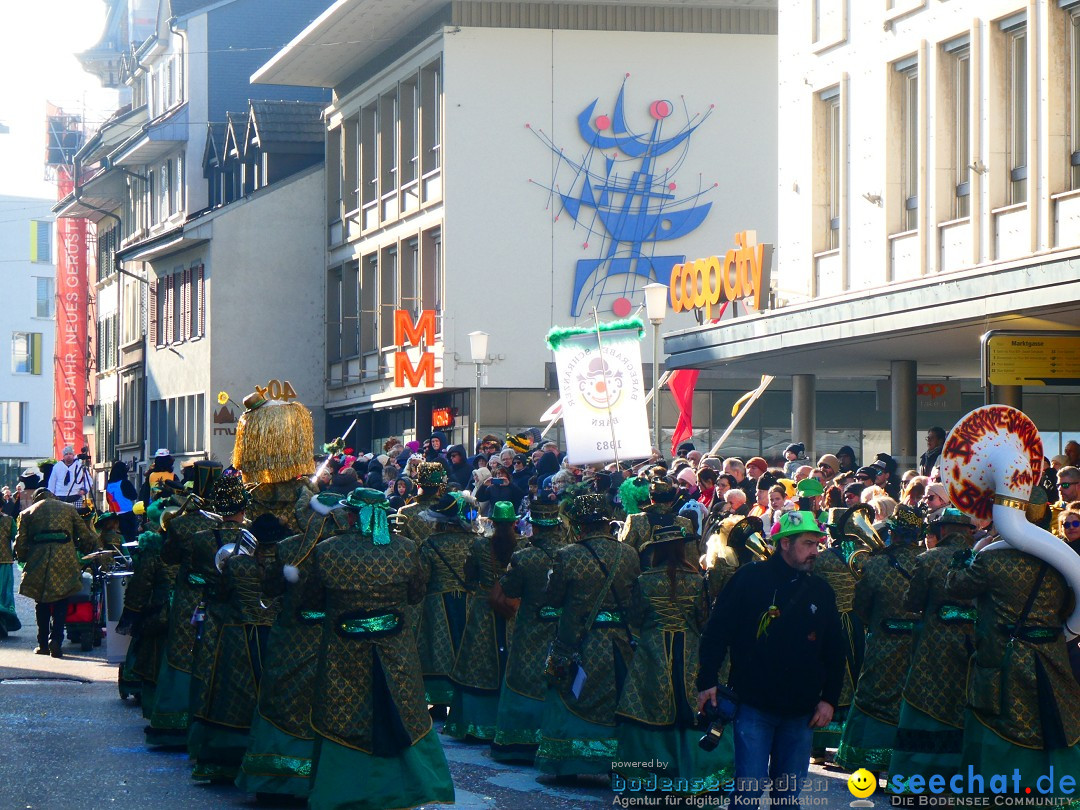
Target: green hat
<point x="371" y="506"/>
<point x="430" y="473"/>
<point x="809" y="488"/>
<point x="592" y="508"/>
<point x="954" y="517"/>
<point x="667" y="532"/>
<point x="906" y="519"/>
<point x="101" y="518"/>
<point x="503" y="512"/>
<point x="229" y="495"/>
<point x="792" y="523"/>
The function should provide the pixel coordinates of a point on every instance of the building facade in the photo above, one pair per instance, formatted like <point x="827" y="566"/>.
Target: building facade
<point x="27" y="334"/>
<point x="510" y="167"/>
<point x="143" y="180"/>
<point x="928" y="193"/>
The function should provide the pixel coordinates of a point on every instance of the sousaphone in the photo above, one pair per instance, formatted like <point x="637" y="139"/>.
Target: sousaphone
<point x="990" y="463"/>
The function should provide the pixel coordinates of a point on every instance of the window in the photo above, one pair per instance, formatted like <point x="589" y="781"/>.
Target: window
<point x="46" y="297"/>
<point x="131" y="407"/>
<point x="369" y="304"/>
<point x="14" y="422"/>
<point x="151" y="196"/>
<point x="165" y="204"/>
<point x="369" y="157"/>
<point x="105" y="414"/>
<point x="1017" y="115"/>
<point x="106" y="341"/>
<point x="350" y="288"/>
<point x="26" y="353"/>
<point x="388" y="290"/>
<point x="179" y="424"/>
<point x="909" y="144"/>
<point x="388" y="142"/>
<point x="431" y="271"/>
<point x="431" y="116"/>
<point x="834" y="135"/>
<point x="162" y="332"/>
<point x="41" y="241"/>
<point x="333" y="315"/>
<point x="178" y="184"/>
<point x="1072" y="41"/>
<point x="197" y="302"/>
<point x="961" y="113"/>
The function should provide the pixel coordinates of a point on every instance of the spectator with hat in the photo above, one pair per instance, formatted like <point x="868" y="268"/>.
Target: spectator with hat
<point x="782" y="630"/>
<point x="794" y="457"/>
<point x="846" y="457"/>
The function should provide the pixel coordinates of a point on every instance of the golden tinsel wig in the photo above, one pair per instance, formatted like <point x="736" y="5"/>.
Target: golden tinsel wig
<point x="274" y="442"/>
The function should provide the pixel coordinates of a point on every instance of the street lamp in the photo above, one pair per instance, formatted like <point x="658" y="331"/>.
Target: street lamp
<point x="478" y="346"/>
<point x="656" y="298"/>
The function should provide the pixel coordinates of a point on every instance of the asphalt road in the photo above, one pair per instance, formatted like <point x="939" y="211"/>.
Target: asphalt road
<point x="69" y="741"/>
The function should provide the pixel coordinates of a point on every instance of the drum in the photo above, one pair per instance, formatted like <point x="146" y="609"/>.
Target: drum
<point x="116" y="646"/>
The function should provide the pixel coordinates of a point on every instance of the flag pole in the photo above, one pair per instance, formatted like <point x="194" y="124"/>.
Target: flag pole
<point x="750" y="400"/>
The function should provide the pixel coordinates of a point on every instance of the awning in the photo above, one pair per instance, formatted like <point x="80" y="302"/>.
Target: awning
<point x="158" y="138"/>
<point x="936" y="321"/>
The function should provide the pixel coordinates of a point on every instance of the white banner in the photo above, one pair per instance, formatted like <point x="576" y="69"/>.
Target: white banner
<point x="603" y="396"/>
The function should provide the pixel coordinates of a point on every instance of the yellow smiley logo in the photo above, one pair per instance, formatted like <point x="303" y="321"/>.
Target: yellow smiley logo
<point x="862" y="783"/>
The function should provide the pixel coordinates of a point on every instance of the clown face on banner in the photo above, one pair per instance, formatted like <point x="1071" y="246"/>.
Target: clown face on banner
<point x="602" y="392"/>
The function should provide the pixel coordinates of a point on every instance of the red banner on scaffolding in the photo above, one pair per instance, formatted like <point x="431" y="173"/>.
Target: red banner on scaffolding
<point x="70" y="361"/>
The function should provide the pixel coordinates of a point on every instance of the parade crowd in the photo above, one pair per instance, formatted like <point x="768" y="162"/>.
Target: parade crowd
<point x="305" y="624"/>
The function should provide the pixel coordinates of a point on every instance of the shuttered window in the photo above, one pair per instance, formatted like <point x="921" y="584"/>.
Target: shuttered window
<point x="152" y="312"/>
<point x="198" y="309"/>
<point x="41" y="241"/>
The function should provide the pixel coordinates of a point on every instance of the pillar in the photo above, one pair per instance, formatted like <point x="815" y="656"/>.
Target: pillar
<point x="1011" y="395"/>
<point x="902" y="374"/>
<point x="804" y="411"/>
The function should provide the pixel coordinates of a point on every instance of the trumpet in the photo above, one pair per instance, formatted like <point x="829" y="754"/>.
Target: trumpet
<point x="246" y="545"/>
<point x="190" y="503"/>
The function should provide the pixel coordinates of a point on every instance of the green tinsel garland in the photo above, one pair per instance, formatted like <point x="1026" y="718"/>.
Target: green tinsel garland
<point x="560" y="333"/>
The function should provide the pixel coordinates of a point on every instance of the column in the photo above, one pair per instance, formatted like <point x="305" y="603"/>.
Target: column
<point x="902" y="374"/>
<point x="1011" y="395"/>
<point x="804" y="412"/>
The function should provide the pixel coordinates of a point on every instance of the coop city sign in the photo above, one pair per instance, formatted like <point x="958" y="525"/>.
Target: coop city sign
<point x="741" y="274"/>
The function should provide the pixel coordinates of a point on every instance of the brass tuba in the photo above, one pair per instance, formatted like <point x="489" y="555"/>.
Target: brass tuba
<point x="991" y="461"/>
<point x="190" y="503"/>
<point x="858" y="525"/>
<point x="246" y="545"/>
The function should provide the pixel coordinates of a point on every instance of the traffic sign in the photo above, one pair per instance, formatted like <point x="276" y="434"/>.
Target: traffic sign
<point x="1031" y="358"/>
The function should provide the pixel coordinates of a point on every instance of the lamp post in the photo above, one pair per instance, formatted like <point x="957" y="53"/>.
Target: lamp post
<point x="478" y="346"/>
<point x="656" y="298"/>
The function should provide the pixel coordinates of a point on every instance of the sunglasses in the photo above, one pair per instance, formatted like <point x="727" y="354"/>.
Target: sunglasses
<point x="863" y="478"/>
<point x="1067" y="484"/>
<point x="1071" y="524"/>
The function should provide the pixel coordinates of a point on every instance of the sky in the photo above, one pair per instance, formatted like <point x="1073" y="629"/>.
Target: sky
<point x="38" y="43"/>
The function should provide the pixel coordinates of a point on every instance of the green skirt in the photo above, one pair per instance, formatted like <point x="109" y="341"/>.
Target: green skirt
<point x="830" y="736"/>
<point x="517" y="727"/>
<point x="987" y="753"/>
<point x="147" y="696"/>
<point x="472" y="716"/>
<point x="438" y="690"/>
<point x="867" y="743"/>
<point x="571" y="745"/>
<point x="127" y="681"/>
<point x="216" y="751"/>
<point x="169" y="717"/>
<point x="924" y="746"/>
<point x="9" y="619"/>
<point x="347" y="779"/>
<point x="276" y="762"/>
<point x="674" y="754"/>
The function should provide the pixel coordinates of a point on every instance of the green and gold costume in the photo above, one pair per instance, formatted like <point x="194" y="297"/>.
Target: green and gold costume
<point x="656" y="713"/>
<point x="375" y="747"/>
<point x="281" y="500"/>
<point x="49" y="531"/>
<point x="521" y="703"/>
<point x="228" y="659"/>
<point x="171" y="717"/>
<point x="148" y="594"/>
<point x="1024" y="703"/>
<point x="481" y="661"/>
<point x="442" y="613"/>
<point x="279" y="757"/>
<point x="879" y="603"/>
<point x="931" y="725"/>
<point x="637" y="529"/>
<point x="578" y="733"/>
<point x="9" y="619"/>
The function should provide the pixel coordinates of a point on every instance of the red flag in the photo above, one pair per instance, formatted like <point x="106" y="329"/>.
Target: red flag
<point x="681" y="383"/>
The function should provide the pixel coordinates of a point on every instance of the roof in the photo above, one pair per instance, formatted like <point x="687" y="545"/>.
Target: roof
<point x="215" y="143"/>
<point x="282" y="125"/>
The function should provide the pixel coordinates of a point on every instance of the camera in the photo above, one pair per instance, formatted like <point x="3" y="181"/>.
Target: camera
<point x="714" y="719"/>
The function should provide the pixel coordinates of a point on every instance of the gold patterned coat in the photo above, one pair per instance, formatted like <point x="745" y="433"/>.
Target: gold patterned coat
<point x="46" y="540"/>
<point x="832" y="566"/>
<point x="481" y="658"/>
<point x="188" y="587"/>
<point x="534" y="628"/>
<point x="1035" y="698"/>
<point x="7" y="539"/>
<point x="576" y="583"/>
<point x="148" y="594"/>
<point x="369" y="692"/>
<point x="936" y="683"/>
<point x="879" y="604"/>
<point x="286" y="689"/>
<point x="442" y="614"/>
<point x="637" y="530"/>
<point x="280" y="499"/>
<point x="661" y="689"/>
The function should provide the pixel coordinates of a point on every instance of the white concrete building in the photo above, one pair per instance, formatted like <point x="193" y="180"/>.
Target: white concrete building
<point x="27" y="333"/>
<point x="512" y="166"/>
<point x="928" y="192"/>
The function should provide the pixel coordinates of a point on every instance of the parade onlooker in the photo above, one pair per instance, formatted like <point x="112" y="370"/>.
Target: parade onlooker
<point x="9" y="619"/>
<point x="794" y="458"/>
<point x="846" y="456"/>
<point x="914" y="490"/>
<point x="781" y="628"/>
<point x="1068" y="482"/>
<point x="69" y="480"/>
<point x="404" y="490"/>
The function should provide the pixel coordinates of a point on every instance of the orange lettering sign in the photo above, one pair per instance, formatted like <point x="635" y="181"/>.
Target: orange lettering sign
<point x="743" y="273"/>
<point x="424" y="370"/>
<point x="404" y="328"/>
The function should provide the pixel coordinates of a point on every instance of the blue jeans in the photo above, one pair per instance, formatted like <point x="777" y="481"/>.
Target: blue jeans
<point x="770" y="747"/>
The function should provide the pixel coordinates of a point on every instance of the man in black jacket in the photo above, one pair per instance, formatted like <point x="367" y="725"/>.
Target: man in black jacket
<point x="783" y="630"/>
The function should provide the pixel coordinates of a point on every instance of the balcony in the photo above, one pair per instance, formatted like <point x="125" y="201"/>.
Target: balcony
<point x="1067" y="219"/>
